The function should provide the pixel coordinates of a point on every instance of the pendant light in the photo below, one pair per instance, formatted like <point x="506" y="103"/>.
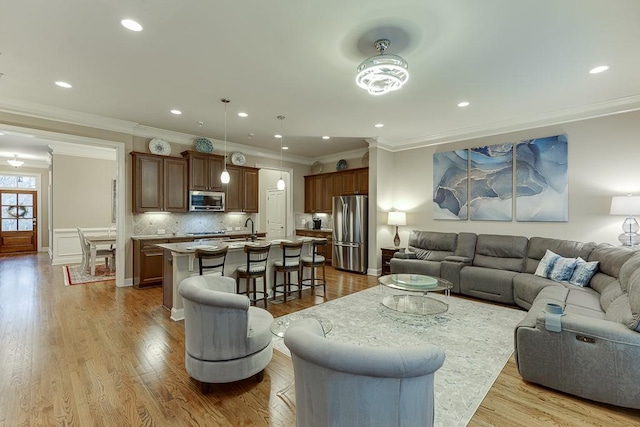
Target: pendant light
<point x="280" y="184"/>
<point x="224" y="176"/>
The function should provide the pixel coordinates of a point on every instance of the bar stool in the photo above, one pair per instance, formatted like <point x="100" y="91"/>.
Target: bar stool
<point x="290" y="263"/>
<point x="211" y="261"/>
<point x="254" y="269"/>
<point x="313" y="261"/>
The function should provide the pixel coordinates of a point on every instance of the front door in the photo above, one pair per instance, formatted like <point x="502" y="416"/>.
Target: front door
<point x="18" y="231"/>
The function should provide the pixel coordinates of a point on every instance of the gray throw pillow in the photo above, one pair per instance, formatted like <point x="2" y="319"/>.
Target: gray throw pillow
<point x="583" y="272"/>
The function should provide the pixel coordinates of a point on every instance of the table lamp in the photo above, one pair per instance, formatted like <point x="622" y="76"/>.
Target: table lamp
<point x="397" y="218"/>
<point x="628" y="206"/>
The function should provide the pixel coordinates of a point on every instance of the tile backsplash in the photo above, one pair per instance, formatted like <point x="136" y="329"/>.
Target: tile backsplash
<point x="182" y="223"/>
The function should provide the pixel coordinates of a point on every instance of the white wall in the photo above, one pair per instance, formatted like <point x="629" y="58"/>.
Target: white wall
<point x="82" y="191"/>
<point x="603" y="162"/>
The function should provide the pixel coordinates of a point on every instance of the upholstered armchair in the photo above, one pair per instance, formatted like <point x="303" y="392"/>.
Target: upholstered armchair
<point x="226" y="340"/>
<point x="341" y="384"/>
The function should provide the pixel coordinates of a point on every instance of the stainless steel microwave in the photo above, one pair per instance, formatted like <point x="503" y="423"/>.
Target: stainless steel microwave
<point x="206" y="201"/>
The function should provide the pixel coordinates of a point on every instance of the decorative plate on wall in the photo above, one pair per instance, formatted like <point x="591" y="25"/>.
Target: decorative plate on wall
<point x="316" y="167"/>
<point x="238" y="158"/>
<point x="341" y="165"/>
<point x="203" y="145"/>
<point x="159" y="146"/>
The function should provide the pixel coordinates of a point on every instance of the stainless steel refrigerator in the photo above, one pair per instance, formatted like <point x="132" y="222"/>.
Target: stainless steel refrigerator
<point x="350" y="225"/>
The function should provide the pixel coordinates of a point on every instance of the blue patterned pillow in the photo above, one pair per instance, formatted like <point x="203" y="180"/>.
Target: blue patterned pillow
<point x="546" y="264"/>
<point x="583" y="272"/>
<point x="563" y="269"/>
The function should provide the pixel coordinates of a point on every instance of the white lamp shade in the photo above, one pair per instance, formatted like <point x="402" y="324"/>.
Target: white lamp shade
<point x="625" y="205"/>
<point x="397" y="218"/>
<point x="225" y="177"/>
<point x="280" y="184"/>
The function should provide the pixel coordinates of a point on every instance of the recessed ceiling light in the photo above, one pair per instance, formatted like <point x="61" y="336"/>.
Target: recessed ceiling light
<point x="285" y="148"/>
<point x="242" y="114"/>
<point x="1" y="133"/>
<point x="176" y="112"/>
<point x="130" y="24"/>
<point x="463" y="104"/>
<point x="277" y="136"/>
<point x="325" y="137"/>
<point x="63" y="84"/>
<point x="598" y="69"/>
<point x="379" y="125"/>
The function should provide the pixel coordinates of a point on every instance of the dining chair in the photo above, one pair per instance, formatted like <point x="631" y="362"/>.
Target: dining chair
<point x="289" y="263"/>
<point x="254" y="269"/>
<point x="108" y="254"/>
<point x="211" y="261"/>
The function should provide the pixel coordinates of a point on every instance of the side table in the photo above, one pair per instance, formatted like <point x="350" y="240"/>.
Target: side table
<point x="387" y="254"/>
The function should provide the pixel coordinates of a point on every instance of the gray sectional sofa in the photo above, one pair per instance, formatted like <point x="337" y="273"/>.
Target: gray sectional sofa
<point x="596" y="355"/>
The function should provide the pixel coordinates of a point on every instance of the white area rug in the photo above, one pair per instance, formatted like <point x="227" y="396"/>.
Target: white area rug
<point x="477" y="338"/>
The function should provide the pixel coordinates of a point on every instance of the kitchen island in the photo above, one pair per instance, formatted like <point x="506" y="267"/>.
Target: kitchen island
<point x="179" y="262"/>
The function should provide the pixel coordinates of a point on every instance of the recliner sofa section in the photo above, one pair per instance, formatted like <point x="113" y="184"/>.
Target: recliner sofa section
<point x="597" y="351"/>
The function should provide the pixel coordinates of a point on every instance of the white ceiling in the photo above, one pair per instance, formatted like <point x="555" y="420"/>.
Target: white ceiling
<point x="519" y="63"/>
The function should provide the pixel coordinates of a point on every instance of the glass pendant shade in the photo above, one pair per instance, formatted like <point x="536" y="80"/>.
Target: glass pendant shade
<point x="15" y="162"/>
<point x="280" y="184"/>
<point x="224" y="176"/>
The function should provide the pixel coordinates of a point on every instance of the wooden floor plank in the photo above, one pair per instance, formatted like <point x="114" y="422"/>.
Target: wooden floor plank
<point x="95" y="355"/>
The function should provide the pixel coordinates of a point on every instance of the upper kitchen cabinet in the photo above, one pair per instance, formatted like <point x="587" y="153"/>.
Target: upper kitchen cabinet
<point x="242" y="190"/>
<point x="320" y="189"/>
<point x="204" y="170"/>
<point x="159" y="183"/>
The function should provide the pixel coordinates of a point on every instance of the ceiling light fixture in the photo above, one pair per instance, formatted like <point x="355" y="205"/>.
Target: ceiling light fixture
<point x="463" y="104"/>
<point x="242" y="114"/>
<point x="599" y="69"/>
<point x="176" y="112"/>
<point x="326" y="137"/>
<point x="15" y="162"/>
<point x="378" y="125"/>
<point x="130" y="24"/>
<point x="224" y="176"/>
<point x="382" y="73"/>
<point x="280" y="184"/>
<point x="63" y="84"/>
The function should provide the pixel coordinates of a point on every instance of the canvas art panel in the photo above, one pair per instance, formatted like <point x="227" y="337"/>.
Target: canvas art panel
<point x="491" y="183"/>
<point x="450" y="185"/>
<point x="542" y="190"/>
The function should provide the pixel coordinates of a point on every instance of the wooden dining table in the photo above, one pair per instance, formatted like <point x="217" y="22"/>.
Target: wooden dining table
<point x="94" y="242"/>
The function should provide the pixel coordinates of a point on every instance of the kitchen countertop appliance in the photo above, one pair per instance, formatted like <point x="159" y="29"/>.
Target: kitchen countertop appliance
<point x="317" y="223"/>
<point x="350" y="225"/>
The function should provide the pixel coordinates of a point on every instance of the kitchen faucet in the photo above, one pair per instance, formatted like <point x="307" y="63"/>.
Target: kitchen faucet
<point x="253" y="233"/>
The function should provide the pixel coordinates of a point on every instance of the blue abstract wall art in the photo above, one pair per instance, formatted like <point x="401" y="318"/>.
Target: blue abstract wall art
<point x="450" y="185"/>
<point x="542" y="192"/>
<point x="491" y="183"/>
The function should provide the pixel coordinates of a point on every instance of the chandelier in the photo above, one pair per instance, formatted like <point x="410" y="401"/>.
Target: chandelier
<point x="15" y="162"/>
<point x="382" y="73"/>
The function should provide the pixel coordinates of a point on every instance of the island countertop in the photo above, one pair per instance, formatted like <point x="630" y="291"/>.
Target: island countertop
<point x="234" y="245"/>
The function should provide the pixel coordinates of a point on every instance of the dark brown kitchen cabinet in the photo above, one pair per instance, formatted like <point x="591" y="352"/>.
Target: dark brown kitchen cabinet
<point x="242" y="190"/>
<point x="159" y="183"/>
<point x="147" y="263"/>
<point x="320" y="189"/>
<point x="204" y="171"/>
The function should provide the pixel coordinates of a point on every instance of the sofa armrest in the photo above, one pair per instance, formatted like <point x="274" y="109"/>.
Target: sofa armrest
<point x="462" y="259"/>
<point x="405" y="255"/>
<point x="591" y="327"/>
<point x="450" y="270"/>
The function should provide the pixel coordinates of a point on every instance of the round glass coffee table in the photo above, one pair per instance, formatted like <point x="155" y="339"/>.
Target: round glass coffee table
<point x="415" y="297"/>
<point x="279" y="326"/>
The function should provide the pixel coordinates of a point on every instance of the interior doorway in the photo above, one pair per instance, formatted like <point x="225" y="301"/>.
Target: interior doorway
<point x="276" y="214"/>
<point x="18" y="226"/>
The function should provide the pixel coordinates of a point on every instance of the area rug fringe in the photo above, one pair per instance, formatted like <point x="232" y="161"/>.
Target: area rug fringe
<point x="73" y="275"/>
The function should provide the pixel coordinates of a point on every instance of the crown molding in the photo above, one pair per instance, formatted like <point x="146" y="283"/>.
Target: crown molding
<point x="351" y="154"/>
<point x="40" y="111"/>
<point x="558" y="117"/>
<point x="80" y="150"/>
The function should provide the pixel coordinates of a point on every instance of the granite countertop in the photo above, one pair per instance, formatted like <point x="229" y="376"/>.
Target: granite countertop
<point x="311" y="229"/>
<point x="229" y="234"/>
<point x="190" y="247"/>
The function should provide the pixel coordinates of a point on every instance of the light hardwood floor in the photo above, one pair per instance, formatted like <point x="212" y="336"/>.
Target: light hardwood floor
<point x="93" y="355"/>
